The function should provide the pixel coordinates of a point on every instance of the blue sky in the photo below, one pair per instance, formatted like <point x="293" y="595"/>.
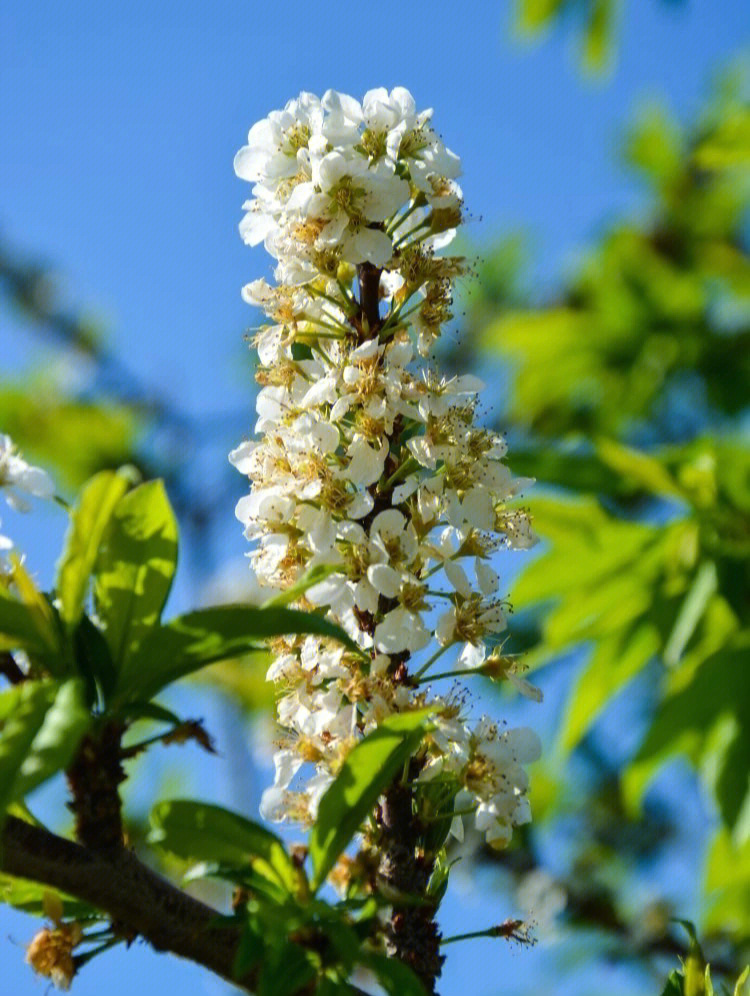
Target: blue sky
<point x="119" y="124"/>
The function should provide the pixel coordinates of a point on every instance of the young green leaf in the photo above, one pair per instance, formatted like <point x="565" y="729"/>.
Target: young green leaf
<point x="135" y="566"/>
<point x="367" y="772"/>
<point x="615" y="660"/>
<point x="198" y="831"/>
<point x="32" y="898"/>
<point x="739" y="986"/>
<point x="56" y="740"/>
<point x="192" y="641"/>
<point x="88" y="522"/>
<point x="20" y="626"/>
<point x="22" y="712"/>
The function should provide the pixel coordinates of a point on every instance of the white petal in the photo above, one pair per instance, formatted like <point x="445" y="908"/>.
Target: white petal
<point x="384" y="579"/>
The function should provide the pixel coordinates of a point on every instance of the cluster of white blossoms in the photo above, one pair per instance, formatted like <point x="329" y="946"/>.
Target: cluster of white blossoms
<point x="18" y="479"/>
<point x="370" y="468"/>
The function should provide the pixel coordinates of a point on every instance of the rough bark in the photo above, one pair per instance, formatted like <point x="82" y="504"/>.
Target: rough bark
<point x="412" y="936"/>
<point x="129" y="892"/>
<point x="94" y="778"/>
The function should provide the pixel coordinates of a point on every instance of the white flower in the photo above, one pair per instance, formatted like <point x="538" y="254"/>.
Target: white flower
<point x="401" y="630"/>
<point x="19" y="478"/>
<point x="366" y="464"/>
<point x="273" y="143"/>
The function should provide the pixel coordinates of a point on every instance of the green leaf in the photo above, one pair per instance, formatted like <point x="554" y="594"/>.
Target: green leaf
<point x="192" y="641"/>
<point x="21" y="626"/>
<point x="693" y="607"/>
<point x="198" y="831"/>
<point x="29" y="897"/>
<point x="23" y="708"/>
<point x="396" y="978"/>
<point x="57" y="739"/>
<point x="687" y="721"/>
<point x="708" y="985"/>
<point x="93" y="661"/>
<point x="365" y="774"/>
<point x="673" y="985"/>
<point x="740" y="983"/>
<point x="88" y="522"/>
<point x="135" y="567"/>
<point x="727" y="886"/>
<point x="134" y="711"/>
<point x="614" y="661"/>
<point x="640" y="468"/>
<point x="250" y="951"/>
<point x="286" y="971"/>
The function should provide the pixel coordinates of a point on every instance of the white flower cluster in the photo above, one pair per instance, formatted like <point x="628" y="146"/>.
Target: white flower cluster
<point x="18" y="479"/>
<point x="331" y="178"/>
<point x="370" y="467"/>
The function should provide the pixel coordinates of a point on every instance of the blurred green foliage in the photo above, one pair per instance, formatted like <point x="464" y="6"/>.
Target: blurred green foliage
<point x="628" y="396"/>
<point x="595" y="23"/>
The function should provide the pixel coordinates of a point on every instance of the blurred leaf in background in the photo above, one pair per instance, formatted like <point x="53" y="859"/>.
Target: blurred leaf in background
<point x="627" y="392"/>
<point x="594" y="23"/>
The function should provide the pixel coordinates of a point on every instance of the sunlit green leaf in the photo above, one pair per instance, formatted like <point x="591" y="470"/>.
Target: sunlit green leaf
<point x="201" y="832"/>
<point x="134" y="567"/>
<point x="367" y="772"/>
<point x="89" y="520"/>
<point x="24" y="708"/>
<point x="643" y="469"/>
<point x="613" y="662"/>
<point x="192" y="641"/>
<point x="20" y="626"/>
<point x="727" y="885"/>
<point x="739" y="986"/>
<point x="57" y="739"/>
<point x="686" y="721"/>
<point x="29" y="897"/>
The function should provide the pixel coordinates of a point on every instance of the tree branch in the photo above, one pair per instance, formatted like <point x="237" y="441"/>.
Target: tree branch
<point x="134" y="896"/>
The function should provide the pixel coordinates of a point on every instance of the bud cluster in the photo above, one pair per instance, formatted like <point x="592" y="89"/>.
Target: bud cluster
<point x="370" y="465"/>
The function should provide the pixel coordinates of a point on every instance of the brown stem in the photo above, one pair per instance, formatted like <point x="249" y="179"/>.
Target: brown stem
<point x="94" y="778"/>
<point x="412" y="935"/>
<point x="369" y="294"/>
<point x="136" y="898"/>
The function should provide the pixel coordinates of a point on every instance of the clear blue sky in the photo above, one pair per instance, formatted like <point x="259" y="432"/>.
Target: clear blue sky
<point x="119" y="124"/>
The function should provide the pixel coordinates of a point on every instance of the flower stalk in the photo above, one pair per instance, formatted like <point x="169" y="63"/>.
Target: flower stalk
<point x="371" y="464"/>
